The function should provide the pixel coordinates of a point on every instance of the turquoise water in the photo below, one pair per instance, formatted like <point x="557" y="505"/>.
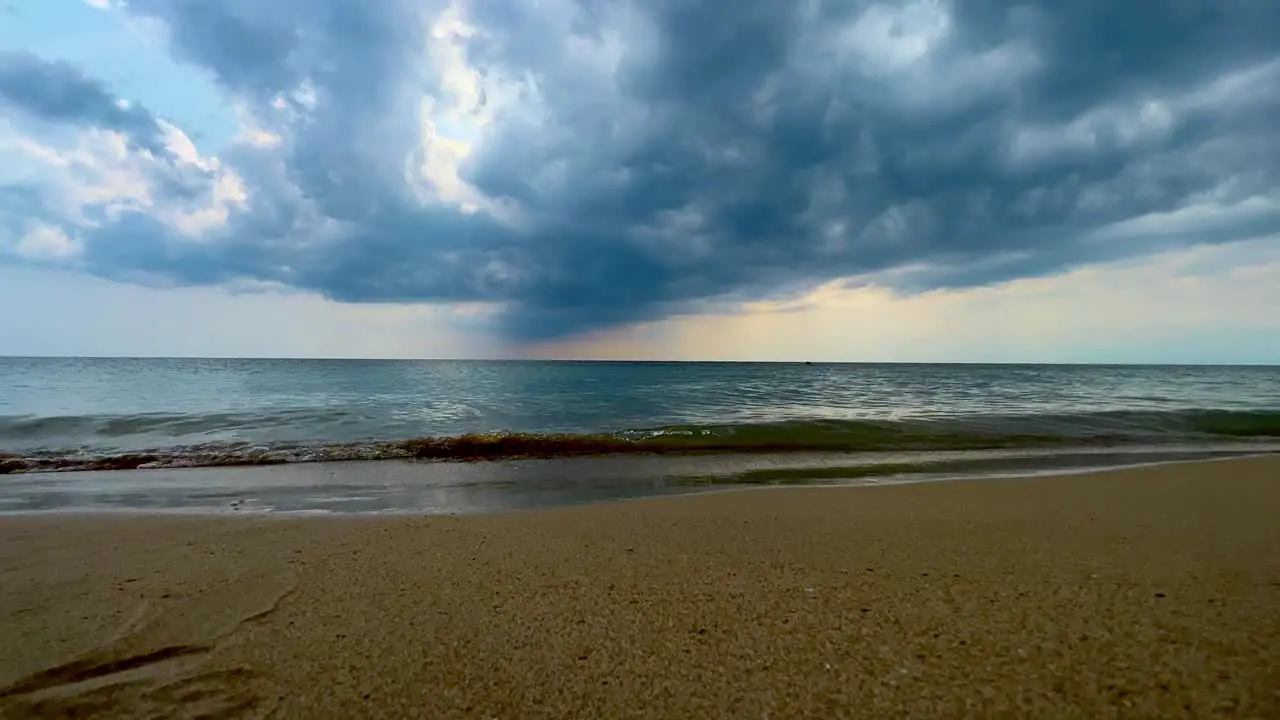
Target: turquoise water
<point x="85" y="414"/>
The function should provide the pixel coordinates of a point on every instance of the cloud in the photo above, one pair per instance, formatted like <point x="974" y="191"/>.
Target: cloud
<point x="589" y="164"/>
<point x="60" y="92"/>
<point x="1196" y="305"/>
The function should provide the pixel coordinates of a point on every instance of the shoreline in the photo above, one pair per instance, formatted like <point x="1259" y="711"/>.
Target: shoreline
<point x="46" y="462"/>
<point x="408" y="488"/>
<point x="33" y="444"/>
<point x="1145" y="592"/>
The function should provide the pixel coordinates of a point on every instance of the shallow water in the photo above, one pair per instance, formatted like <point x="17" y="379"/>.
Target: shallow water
<point x="434" y="487"/>
<point x="678" y="427"/>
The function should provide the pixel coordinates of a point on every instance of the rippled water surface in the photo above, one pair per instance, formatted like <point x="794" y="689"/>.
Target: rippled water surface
<point x="137" y="404"/>
<point x="670" y="427"/>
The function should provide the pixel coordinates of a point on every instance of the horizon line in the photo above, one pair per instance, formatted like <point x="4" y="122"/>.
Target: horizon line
<point x="1106" y="363"/>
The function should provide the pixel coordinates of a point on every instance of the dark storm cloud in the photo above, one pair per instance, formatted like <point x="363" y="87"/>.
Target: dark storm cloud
<point x="61" y="92"/>
<point x="703" y="149"/>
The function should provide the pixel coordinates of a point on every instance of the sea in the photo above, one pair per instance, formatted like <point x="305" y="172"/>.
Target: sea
<point x="445" y="436"/>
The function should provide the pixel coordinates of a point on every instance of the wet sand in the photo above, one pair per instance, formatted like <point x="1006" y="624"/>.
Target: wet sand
<point x="1152" y="592"/>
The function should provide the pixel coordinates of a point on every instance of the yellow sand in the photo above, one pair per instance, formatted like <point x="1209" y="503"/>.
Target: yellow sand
<point x="1147" y="593"/>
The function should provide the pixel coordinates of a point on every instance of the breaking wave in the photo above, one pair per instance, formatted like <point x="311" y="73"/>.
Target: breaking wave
<point x="973" y="432"/>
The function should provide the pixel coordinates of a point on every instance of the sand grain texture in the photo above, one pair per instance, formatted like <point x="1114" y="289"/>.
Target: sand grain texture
<point x="1147" y="593"/>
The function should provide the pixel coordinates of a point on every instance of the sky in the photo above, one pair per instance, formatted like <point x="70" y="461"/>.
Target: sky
<point x="826" y="180"/>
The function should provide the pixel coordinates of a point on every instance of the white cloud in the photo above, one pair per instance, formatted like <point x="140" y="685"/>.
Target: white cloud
<point x="455" y="119"/>
<point x="434" y="171"/>
<point x="904" y="51"/>
<point x="257" y="138"/>
<point x="450" y="121"/>
<point x="890" y="37"/>
<point x="177" y="142"/>
<point x="46" y="243"/>
<point x="99" y="170"/>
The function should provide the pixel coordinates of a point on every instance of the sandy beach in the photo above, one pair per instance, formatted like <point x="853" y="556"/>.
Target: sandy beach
<point x="1151" y="592"/>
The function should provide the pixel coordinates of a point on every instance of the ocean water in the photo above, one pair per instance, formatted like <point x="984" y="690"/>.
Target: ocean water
<point x="658" y="426"/>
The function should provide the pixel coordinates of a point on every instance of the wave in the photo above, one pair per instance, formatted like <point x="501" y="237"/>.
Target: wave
<point x="105" y="427"/>
<point x="977" y="432"/>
